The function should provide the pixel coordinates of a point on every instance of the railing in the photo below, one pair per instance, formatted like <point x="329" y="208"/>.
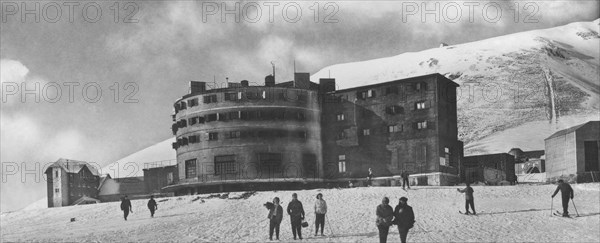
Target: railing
<point x="161" y="163"/>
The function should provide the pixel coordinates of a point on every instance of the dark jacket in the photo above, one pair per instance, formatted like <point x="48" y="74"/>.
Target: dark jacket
<point x="152" y="204"/>
<point x="468" y="191"/>
<point x="276" y="214"/>
<point x="295" y="209"/>
<point x="125" y="204"/>
<point x="404" y="175"/>
<point x="565" y="190"/>
<point x="385" y="215"/>
<point x="404" y="216"/>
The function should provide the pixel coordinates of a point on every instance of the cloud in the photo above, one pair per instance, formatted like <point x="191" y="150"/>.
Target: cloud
<point x="12" y="71"/>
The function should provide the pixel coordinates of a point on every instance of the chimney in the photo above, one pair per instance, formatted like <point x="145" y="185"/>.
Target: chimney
<point x="244" y="83"/>
<point x="197" y="87"/>
<point x="326" y="85"/>
<point x="302" y="80"/>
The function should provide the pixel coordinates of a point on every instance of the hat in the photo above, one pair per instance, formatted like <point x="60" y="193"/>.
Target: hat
<point x="403" y="199"/>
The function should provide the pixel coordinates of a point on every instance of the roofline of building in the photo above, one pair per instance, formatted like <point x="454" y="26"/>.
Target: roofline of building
<point x="404" y="80"/>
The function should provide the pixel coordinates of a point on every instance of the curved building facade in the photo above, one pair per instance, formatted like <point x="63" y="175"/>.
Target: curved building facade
<point x="245" y="134"/>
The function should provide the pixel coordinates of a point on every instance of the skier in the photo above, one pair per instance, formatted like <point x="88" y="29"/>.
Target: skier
<point x="567" y="192"/>
<point x="320" y="211"/>
<point x="126" y="207"/>
<point x="152" y="206"/>
<point x="405" y="179"/>
<point x="296" y="212"/>
<point x="385" y="215"/>
<point x="404" y="217"/>
<point x="469" y="200"/>
<point x="275" y="216"/>
<point x="369" y="177"/>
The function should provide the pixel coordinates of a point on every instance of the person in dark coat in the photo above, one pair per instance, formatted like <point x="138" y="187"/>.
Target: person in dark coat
<point x="126" y="206"/>
<point x="385" y="216"/>
<point x="275" y="216"/>
<point x="567" y="193"/>
<point x="404" y="217"/>
<point x="152" y="206"/>
<point x="469" y="200"/>
<point x="405" y="179"/>
<point x="296" y="212"/>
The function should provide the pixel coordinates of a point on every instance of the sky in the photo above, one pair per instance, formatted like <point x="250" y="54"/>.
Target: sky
<point x="106" y="74"/>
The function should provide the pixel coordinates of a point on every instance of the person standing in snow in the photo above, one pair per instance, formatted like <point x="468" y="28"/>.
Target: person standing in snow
<point x="275" y="216"/>
<point x="126" y="207"/>
<point x="296" y="212"/>
<point x="566" y="192"/>
<point x="404" y="217"/>
<point x="385" y="216"/>
<point x="405" y="182"/>
<point x="369" y="177"/>
<point x="469" y="200"/>
<point x="320" y="211"/>
<point x="152" y="206"/>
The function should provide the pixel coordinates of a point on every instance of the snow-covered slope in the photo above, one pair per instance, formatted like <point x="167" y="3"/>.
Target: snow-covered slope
<point x="506" y="214"/>
<point x="159" y="154"/>
<point x="506" y="81"/>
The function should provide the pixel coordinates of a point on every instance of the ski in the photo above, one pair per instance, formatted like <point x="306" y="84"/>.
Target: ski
<point x="469" y="213"/>
<point x="559" y="214"/>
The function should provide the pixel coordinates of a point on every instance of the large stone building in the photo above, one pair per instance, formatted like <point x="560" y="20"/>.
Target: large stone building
<point x="573" y="152"/>
<point x="241" y="135"/>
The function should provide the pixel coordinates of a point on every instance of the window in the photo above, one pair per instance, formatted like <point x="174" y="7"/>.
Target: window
<point x="394" y="109"/>
<point x="300" y="116"/>
<point x="193" y="120"/>
<point x="394" y="128"/>
<point x="302" y="97"/>
<point x="264" y="94"/>
<point x="234" y="134"/>
<point x="210" y="99"/>
<point x="213" y="136"/>
<point x="370" y="93"/>
<point x="182" y="123"/>
<point x="190" y="168"/>
<point x="169" y="177"/>
<point x="56" y="174"/>
<point x="182" y="105"/>
<point x="193" y="139"/>
<point x="270" y="162"/>
<point x="201" y="119"/>
<point x="391" y="90"/>
<point x="342" y="163"/>
<point x="279" y="114"/>
<point x="361" y="95"/>
<point x="222" y="116"/>
<point x="340" y="117"/>
<point x="421" y="153"/>
<point x="366" y="132"/>
<point x="420" y="86"/>
<point x="231" y="96"/>
<point x="225" y="164"/>
<point x="234" y="115"/>
<point x="309" y="165"/>
<point x="342" y="135"/>
<point x="301" y="134"/>
<point x="211" y="117"/>
<point x="420" y="105"/>
<point x="56" y="190"/>
<point x="422" y="125"/>
<point x="192" y="102"/>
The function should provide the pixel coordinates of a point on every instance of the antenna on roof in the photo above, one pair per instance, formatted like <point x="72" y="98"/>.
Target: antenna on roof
<point x="215" y="81"/>
<point x="227" y="80"/>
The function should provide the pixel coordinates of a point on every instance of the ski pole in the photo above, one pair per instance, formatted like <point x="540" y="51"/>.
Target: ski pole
<point x="575" y="207"/>
<point x="551" y="206"/>
<point x="330" y="228"/>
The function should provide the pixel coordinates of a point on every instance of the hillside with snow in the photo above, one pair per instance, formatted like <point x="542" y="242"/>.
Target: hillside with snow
<point x="515" y="90"/>
<point x="505" y="214"/>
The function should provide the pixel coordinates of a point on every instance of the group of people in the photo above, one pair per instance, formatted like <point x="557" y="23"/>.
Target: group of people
<point x="127" y="208"/>
<point x="402" y="215"/>
<point x="297" y="214"/>
<point x="370" y="175"/>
